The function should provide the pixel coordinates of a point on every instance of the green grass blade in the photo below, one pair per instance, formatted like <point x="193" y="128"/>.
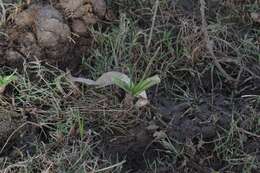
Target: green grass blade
<point x="5" y="80"/>
<point x="145" y="84"/>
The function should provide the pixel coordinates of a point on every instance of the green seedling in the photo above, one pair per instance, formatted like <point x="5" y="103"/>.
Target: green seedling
<point x="5" y="80"/>
<point x="136" y="89"/>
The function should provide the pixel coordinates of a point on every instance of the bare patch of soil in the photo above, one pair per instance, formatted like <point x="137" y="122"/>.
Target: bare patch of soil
<point x="195" y="130"/>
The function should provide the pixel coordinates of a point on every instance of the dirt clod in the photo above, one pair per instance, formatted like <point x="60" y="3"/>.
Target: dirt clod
<point x="78" y="26"/>
<point x="27" y="17"/>
<point x="51" y="31"/>
<point x="13" y="57"/>
<point x="99" y="7"/>
<point x="44" y="32"/>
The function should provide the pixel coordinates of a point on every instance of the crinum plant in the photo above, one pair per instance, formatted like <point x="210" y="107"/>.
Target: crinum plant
<point x="135" y="89"/>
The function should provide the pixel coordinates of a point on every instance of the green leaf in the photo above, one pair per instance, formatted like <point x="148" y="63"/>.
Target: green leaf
<point x="10" y="78"/>
<point x="5" y="80"/>
<point x="145" y="84"/>
<point x="122" y="84"/>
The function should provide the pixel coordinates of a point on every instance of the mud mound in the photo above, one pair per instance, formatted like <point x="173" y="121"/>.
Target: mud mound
<point x="47" y="33"/>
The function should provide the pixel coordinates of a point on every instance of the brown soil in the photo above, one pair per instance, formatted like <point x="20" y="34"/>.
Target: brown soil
<point x="195" y="129"/>
<point x="9" y="122"/>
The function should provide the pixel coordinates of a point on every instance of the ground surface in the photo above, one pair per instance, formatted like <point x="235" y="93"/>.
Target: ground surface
<point x="204" y="116"/>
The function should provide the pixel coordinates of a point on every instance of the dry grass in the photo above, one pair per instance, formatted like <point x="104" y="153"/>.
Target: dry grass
<point x="71" y="127"/>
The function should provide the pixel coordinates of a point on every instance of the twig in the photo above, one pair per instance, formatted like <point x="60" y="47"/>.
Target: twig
<point x="249" y="133"/>
<point x="156" y="6"/>
<point x="15" y="131"/>
<point x="150" y="63"/>
<point x="209" y="43"/>
<point x="110" y="167"/>
<point x="10" y="137"/>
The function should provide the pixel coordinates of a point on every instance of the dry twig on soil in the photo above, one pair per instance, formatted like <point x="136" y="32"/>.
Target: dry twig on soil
<point x="209" y="43"/>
